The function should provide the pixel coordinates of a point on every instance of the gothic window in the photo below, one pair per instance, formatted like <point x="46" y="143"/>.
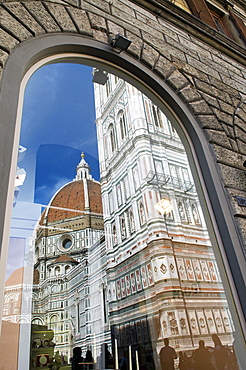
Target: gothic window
<point x="114" y="234"/>
<point x="159" y="176"/>
<point x="112" y="141"/>
<point x="67" y="269"/>
<point x="157" y="116"/>
<point x="181" y="211"/>
<point x="187" y="210"/>
<point x="57" y="271"/>
<point x="122" y="125"/>
<point x="142" y="213"/>
<point x="55" y="289"/>
<point x="147" y="110"/>
<point x="53" y="323"/>
<point x="123" y="227"/>
<point x="131" y="221"/>
<point x="195" y="214"/>
<point x="11" y="307"/>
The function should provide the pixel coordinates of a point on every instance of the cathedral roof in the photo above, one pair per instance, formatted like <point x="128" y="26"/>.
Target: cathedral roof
<point x="65" y="258"/>
<point x="69" y="201"/>
<point x="17" y="276"/>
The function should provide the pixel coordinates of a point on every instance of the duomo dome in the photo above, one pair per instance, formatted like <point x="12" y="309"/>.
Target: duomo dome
<point x="71" y="201"/>
<point x="74" y="201"/>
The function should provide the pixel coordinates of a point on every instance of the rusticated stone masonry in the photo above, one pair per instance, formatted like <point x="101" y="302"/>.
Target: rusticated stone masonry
<point x="209" y="81"/>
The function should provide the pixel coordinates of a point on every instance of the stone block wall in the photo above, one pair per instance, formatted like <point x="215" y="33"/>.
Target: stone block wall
<point x="205" y="69"/>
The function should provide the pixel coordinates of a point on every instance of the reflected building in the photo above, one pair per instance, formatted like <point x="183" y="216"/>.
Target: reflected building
<point x="69" y="253"/>
<point x="109" y="267"/>
<point x="162" y="276"/>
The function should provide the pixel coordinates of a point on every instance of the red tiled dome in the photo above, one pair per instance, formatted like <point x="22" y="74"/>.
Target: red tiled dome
<point x="70" y="201"/>
<point x="17" y="276"/>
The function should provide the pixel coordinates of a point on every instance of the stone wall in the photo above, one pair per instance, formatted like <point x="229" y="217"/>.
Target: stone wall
<point x="204" y="68"/>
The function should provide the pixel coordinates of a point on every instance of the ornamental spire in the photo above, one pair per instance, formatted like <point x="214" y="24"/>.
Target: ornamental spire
<point x="83" y="169"/>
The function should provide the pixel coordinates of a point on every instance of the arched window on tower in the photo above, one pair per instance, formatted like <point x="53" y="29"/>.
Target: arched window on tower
<point x="114" y="235"/>
<point x="112" y="140"/>
<point x="195" y="214"/>
<point x="123" y="228"/>
<point x="181" y="211"/>
<point x="157" y="116"/>
<point x="131" y="221"/>
<point x="121" y="119"/>
<point x="11" y="307"/>
<point x="53" y="323"/>
<point x="142" y="213"/>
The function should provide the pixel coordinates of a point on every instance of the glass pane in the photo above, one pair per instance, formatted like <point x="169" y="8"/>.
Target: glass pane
<point x="103" y="268"/>
<point x="182" y="4"/>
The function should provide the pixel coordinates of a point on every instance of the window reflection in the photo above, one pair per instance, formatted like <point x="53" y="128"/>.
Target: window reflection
<point x="113" y="276"/>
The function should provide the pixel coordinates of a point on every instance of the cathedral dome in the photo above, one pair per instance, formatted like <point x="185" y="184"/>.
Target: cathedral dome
<point x="17" y="276"/>
<point x="70" y="201"/>
<point x="81" y="195"/>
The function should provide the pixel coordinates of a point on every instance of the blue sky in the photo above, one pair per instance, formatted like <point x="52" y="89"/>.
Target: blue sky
<point x="58" y="123"/>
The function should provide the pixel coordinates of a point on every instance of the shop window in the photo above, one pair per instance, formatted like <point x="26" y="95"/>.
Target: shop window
<point x="163" y="260"/>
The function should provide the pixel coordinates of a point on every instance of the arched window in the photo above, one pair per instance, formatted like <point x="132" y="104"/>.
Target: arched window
<point x="114" y="235"/>
<point x="122" y="125"/>
<point x="157" y="116"/>
<point x="57" y="271"/>
<point x="195" y="214"/>
<point x="131" y="221"/>
<point x="142" y="213"/>
<point x="181" y="211"/>
<point x="53" y="323"/>
<point x="11" y="307"/>
<point x="123" y="228"/>
<point x="112" y="139"/>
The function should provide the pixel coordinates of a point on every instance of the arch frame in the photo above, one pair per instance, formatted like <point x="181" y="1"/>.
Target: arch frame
<point x="51" y="48"/>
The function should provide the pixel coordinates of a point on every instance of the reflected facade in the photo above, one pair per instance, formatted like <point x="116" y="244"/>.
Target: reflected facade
<point x="110" y="270"/>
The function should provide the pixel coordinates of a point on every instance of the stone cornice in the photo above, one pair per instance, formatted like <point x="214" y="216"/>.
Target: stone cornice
<point x="189" y="23"/>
